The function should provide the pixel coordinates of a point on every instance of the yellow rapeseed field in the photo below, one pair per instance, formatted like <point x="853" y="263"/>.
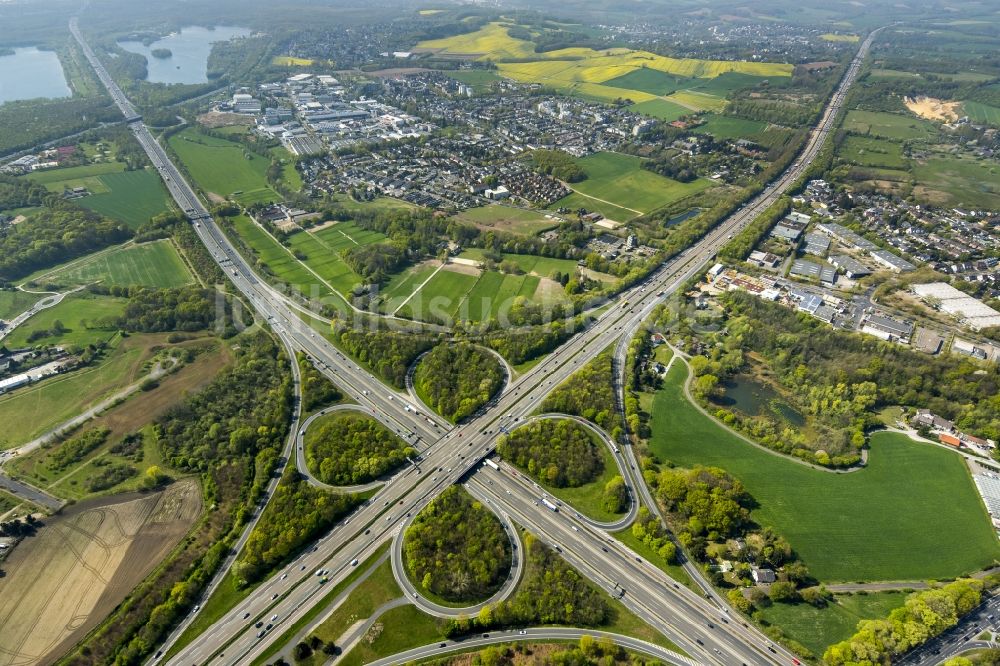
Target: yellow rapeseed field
<point x="491" y="42"/>
<point x="289" y="61"/>
<point x="833" y="37"/>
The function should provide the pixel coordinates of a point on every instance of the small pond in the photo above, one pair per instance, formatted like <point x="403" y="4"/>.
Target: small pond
<point x="746" y="394"/>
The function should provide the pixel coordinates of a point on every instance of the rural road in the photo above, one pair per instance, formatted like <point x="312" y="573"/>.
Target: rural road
<point x="42" y="304"/>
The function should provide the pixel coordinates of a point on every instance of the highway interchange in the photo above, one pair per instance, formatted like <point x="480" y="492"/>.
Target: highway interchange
<point x="449" y="454"/>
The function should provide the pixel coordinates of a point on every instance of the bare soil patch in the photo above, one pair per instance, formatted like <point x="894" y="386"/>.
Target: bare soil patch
<point x="217" y="119"/>
<point x="933" y="109"/>
<point x="62" y="582"/>
<point x="460" y="268"/>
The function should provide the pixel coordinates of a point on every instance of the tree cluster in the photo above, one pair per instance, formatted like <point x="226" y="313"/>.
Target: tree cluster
<point x="243" y="411"/>
<point x="925" y="615"/>
<point x="648" y="529"/>
<point x="526" y="343"/>
<point x="847" y="376"/>
<point x="346" y="449"/>
<point x="58" y="232"/>
<point x="375" y="262"/>
<point x="74" y="450"/>
<point x="457" y="379"/>
<point x="110" y="474"/>
<point x="551" y="592"/>
<point x="317" y="389"/>
<point x="558" y="452"/>
<point x="389" y="354"/>
<point x="588" y="393"/>
<point x="457" y="549"/>
<point x="297" y="515"/>
<point x="189" y="308"/>
<point x="712" y="504"/>
<point x="558" y="164"/>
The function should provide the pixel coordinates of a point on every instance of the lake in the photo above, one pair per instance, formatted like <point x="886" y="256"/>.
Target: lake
<point x="31" y="73"/>
<point x="189" y="48"/>
<point x="751" y="397"/>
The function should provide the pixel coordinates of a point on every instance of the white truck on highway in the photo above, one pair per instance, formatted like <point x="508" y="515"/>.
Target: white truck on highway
<point x="548" y="503"/>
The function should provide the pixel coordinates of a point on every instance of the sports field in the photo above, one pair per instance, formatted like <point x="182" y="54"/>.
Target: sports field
<point x="885" y="522"/>
<point x="464" y="293"/>
<point x="55" y="180"/>
<point x="529" y="263"/>
<point x="154" y="264"/>
<point x="888" y="125"/>
<point x="401" y="286"/>
<point x="224" y="168"/>
<point x="621" y="181"/>
<point x="508" y="218"/>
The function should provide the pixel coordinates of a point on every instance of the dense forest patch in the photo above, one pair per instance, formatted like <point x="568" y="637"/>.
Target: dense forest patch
<point x="456" y="380"/>
<point x="457" y="549"/>
<point x="558" y="452"/>
<point x="344" y="448"/>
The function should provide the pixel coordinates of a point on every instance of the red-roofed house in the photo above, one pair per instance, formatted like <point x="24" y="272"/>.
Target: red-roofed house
<point x="950" y="440"/>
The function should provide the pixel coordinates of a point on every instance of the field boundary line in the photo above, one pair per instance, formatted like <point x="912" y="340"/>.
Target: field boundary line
<point x="610" y="203"/>
<point x="421" y="286"/>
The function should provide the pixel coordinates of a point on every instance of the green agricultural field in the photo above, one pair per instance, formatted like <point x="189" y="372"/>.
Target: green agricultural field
<point x="892" y="74"/>
<point x="81" y="315"/>
<point x="508" y="218"/>
<point x="281" y="263"/>
<point x="479" y="79"/>
<point x="575" y="201"/>
<point x="888" y="125"/>
<point x="982" y="113"/>
<point x="154" y="264"/>
<point x="621" y="180"/>
<point x="13" y="303"/>
<point x="923" y="494"/>
<point x="651" y="81"/>
<point x="728" y="127"/>
<point x="948" y="180"/>
<point x="289" y="174"/>
<point x="818" y="628"/>
<point x="872" y="152"/>
<point x="224" y="168"/>
<point x="401" y="285"/>
<point x="441" y="296"/>
<point x="56" y="179"/>
<point x="698" y="101"/>
<point x="28" y="412"/>
<point x="660" y="108"/>
<point x="132" y="197"/>
<point x="724" y="84"/>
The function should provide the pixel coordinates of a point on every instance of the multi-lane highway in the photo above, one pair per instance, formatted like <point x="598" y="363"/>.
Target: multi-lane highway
<point x="447" y="454"/>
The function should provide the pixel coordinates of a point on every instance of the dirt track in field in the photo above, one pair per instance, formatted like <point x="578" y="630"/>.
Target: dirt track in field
<point x="79" y="566"/>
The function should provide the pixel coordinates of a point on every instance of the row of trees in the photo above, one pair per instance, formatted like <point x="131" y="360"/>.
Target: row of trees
<point x="457" y="379"/>
<point x="457" y="549"/>
<point x="76" y="448"/>
<point x="344" y="449"/>
<point x="558" y="452"/>
<point x="296" y="516"/>
<point x="526" y="343"/>
<point x="923" y="616"/>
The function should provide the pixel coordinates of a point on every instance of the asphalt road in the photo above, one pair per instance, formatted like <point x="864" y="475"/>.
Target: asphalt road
<point x="452" y="452"/>
<point x="959" y="638"/>
<point x="536" y="635"/>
